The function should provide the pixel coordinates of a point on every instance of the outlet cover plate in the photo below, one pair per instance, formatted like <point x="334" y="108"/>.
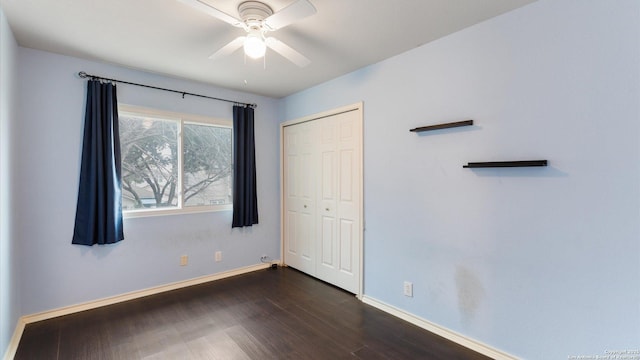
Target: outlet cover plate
<point x="408" y="289"/>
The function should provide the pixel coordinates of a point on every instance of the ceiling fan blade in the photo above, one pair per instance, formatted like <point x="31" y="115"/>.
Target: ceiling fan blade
<point x="229" y="48"/>
<point x="208" y="9"/>
<point x="293" y="12"/>
<point x="288" y="52"/>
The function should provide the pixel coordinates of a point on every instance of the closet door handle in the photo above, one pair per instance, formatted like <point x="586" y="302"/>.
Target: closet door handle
<point x="327" y="209"/>
<point x="305" y="206"/>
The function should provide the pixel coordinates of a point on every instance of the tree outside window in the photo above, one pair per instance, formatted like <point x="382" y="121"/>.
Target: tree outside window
<point x="174" y="163"/>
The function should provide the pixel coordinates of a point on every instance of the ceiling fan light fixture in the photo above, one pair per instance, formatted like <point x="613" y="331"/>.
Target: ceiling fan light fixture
<point x="254" y="46"/>
<point x="258" y="19"/>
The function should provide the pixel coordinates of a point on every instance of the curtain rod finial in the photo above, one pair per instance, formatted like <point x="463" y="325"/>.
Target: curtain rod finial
<point x="83" y="74"/>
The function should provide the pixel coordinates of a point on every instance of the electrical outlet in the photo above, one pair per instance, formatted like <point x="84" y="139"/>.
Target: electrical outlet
<point x="408" y="289"/>
<point x="218" y="256"/>
<point x="184" y="260"/>
<point x="264" y="258"/>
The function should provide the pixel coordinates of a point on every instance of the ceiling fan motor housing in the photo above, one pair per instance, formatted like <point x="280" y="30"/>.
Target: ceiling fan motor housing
<point x="253" y="13"/>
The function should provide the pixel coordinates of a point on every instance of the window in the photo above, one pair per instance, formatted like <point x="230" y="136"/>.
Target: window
<point x="174" y="163"/>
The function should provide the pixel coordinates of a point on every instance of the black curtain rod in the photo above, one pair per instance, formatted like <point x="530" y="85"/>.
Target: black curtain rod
<point x="84" y="75"/>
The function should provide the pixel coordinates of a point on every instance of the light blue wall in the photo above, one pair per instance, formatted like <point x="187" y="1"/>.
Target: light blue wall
<point x="55" y="273"/>
<point x="542" y="263"/>
<point x="10" y="309"/>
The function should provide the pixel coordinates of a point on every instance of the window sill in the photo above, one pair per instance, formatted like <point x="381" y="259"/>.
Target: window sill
<point x="131" y="214"/>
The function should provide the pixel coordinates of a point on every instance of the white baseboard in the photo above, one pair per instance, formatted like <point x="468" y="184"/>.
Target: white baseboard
<point x="15" y="340"/>
<point x="439" y="330"/>
<point x="27" y="319"/>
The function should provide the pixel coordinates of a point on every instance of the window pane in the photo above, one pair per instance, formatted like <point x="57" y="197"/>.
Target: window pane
<point x="149" y="162"/>
<point x="207" y="165"/>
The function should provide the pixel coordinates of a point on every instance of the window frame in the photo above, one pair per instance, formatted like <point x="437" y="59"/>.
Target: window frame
<point x="181" y="119"/>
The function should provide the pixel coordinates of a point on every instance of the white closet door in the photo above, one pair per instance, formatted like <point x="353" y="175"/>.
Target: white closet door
<point x="322" y="195"/>
<point x="300" y="193"/>
<point x="338" y="233"/>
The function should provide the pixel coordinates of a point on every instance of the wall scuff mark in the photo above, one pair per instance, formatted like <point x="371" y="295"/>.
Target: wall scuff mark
<point x="470" y="293"/>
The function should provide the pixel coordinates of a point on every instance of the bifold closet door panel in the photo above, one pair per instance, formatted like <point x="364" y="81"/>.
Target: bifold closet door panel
<point x="299" y="185"/>
<point x="338" y="206"/>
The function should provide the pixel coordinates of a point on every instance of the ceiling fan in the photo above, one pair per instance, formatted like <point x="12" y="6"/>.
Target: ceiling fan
<point x="257" y="19"/>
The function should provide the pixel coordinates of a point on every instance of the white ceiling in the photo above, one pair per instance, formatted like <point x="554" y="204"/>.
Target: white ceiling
<point x="171" y="38"/>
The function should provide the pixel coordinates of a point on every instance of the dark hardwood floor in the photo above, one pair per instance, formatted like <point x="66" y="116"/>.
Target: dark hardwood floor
<point x="269" y="314"/>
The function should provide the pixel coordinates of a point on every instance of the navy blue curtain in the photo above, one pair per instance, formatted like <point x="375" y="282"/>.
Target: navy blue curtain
<point x="245" y="199"/>
<point x="99" y="208"/>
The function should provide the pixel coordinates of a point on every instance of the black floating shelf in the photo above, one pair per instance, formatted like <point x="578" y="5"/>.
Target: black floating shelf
<point x="443" y="126"/>
<point x="502" y="164"/>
